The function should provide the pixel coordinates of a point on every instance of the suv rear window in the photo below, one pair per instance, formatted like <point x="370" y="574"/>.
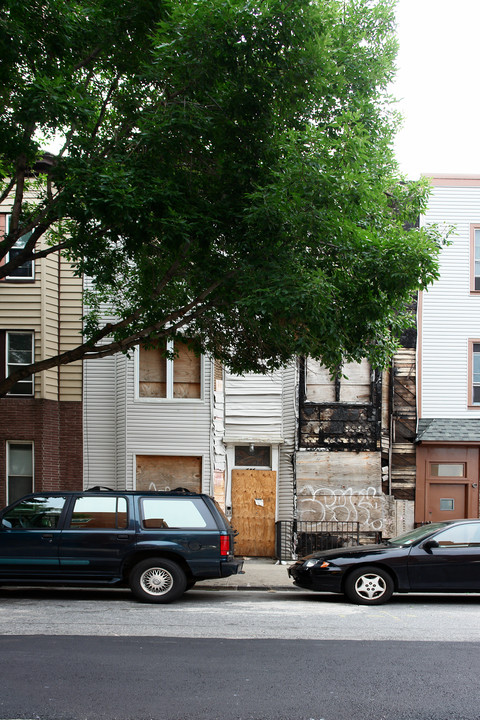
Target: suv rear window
<point x="163" y="512"/>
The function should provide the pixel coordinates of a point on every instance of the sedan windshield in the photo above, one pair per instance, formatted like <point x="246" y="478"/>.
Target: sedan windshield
<point x="419" y="533"/>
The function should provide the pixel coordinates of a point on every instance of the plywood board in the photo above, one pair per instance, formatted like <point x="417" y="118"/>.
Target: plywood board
<point x="253" y="506"/>
<point x="338" y="470"/>
<point x="167" y="472"/>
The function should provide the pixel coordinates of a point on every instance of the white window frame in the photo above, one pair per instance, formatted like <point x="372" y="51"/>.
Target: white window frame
<point x="9" y="365"/>
<point x="21" y="242"/>
<point x="169" y="380"/>
<point x="31" y="444"/>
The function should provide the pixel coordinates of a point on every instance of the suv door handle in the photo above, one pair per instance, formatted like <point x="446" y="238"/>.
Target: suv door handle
<point x="123" y="537"/>
<point x="47" y="536"/>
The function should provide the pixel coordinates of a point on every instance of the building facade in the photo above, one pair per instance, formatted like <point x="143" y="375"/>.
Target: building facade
<point x="152" y="423"/>
<point x="41" y="418"/>
<point x="449" y="360"/>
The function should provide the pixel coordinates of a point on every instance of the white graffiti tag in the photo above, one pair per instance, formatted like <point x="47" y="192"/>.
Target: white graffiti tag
<point x="342" y="505"/>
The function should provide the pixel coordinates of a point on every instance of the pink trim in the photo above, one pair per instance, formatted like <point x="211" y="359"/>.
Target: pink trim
<point x="470" y="404"/>
<point x="473" y="227"/>
<point x="419" y="352"/>
<point x="446" y="180"/>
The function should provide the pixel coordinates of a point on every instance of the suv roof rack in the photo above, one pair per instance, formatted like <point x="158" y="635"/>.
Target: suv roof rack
<point x="99" y="488"/>
<point x="184" y="491"/>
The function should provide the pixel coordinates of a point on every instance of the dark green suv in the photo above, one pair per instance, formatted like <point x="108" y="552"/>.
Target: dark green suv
<point x="158" y="543"/>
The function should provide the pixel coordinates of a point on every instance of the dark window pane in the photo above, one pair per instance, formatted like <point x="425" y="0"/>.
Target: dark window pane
<point x="25" y="270"/>
<point x="18" y="487"/>
<point x="252" y="456"/>
<point x="476" y="394"/>
<point x="23" y="387"/>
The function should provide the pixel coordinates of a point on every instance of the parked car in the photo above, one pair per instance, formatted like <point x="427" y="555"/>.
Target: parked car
<point x="439" y="557"/>
<point x="158" y="543"/>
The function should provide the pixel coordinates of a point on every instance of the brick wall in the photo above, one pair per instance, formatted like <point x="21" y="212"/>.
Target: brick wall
<point x="55" y="428"/>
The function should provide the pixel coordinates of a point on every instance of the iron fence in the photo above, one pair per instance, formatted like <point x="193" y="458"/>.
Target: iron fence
<point x="297" y="538"/>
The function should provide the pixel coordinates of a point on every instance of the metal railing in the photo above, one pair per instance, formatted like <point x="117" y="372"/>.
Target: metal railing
<point x="297" y="538"/>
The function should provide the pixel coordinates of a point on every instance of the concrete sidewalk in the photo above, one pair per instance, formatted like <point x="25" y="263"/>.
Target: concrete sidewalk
<point x="258" y="574"/>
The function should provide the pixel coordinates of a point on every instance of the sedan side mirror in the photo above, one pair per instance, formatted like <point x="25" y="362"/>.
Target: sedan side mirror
<point x="429" y="544"/>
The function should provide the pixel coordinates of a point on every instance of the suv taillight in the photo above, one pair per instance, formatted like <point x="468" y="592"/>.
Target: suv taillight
<point x="224" y="545"/>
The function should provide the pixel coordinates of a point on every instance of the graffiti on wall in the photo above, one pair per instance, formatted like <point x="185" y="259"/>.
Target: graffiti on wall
<point x="342" y="505"/>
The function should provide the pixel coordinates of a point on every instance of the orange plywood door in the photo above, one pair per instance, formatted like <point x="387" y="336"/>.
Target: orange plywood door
<point x="253" y="508"/>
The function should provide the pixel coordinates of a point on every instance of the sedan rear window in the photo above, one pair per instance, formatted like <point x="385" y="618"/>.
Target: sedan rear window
<point x="163" y="512"/>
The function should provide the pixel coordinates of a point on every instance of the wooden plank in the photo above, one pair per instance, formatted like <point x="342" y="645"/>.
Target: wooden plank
<point x="167" y="472"/>
<point x="253" y="506"/>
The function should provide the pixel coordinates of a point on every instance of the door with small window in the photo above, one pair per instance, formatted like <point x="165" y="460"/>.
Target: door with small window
<point x="447" y="483"/>
<point x="254" y="495"/>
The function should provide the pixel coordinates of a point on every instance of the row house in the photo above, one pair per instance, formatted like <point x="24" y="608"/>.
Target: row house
<point x="448" y="437"/>
<point x="386" y="450"/>
<point x="152" y="423"/>
<point x="41" y="443"/>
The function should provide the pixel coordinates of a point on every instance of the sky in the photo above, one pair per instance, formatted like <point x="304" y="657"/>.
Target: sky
<point x="438" y="87"/>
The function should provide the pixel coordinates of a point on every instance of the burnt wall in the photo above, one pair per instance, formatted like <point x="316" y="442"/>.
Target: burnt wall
<point x="338" y="427"/>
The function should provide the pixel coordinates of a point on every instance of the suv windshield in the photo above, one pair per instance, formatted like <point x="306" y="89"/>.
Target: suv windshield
<point x="419" y="533"/>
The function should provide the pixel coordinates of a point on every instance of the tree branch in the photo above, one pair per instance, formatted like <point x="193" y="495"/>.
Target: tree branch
<point x="92" y="350"/>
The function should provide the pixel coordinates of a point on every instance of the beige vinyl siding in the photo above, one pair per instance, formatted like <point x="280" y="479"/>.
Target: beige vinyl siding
<point x="51" y="306"/>
<point x="71" y="311"/>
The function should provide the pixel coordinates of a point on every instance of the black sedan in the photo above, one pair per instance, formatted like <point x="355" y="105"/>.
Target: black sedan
<point x="439" y="557"/>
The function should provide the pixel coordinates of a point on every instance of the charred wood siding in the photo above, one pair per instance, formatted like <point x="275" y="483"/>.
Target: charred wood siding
<point x="404" y="418"/>
<point x="341" y="425"/>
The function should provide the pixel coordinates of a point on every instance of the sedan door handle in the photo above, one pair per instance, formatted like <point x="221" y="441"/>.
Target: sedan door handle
<point x="48" y="536"/>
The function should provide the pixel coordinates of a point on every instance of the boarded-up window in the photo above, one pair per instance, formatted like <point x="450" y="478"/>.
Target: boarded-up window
<point x="177" y="378"/>
<point x="168" y="472"/>
<point x="320" y="388"/>
<point x="153" y="373"/>
<point x="186" y="372"/>
<point x="353" y="385"/>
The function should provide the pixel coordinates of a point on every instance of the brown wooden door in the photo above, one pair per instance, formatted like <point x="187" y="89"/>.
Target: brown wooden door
<point x="447" y="483"/>
<point x="446" y="501"/>
<point x="253" y="508"/>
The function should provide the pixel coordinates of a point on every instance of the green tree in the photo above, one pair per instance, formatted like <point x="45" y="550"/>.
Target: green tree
<point x="226" y="173"/>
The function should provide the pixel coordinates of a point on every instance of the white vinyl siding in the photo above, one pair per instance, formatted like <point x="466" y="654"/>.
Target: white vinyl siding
<point x="450" y="314"/>
<point x="119" y="425"/>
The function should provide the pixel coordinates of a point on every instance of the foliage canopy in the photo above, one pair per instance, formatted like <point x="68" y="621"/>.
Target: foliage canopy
<point x="226" y="173"/>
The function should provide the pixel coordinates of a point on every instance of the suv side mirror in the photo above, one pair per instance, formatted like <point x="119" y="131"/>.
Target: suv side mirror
<point x="429" y="544"/>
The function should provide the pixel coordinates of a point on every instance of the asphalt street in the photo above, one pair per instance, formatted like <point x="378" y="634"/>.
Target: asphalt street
<point x="239" y="615"/>
<point x="231" y="655"/>
<point x="148" y="678"/>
